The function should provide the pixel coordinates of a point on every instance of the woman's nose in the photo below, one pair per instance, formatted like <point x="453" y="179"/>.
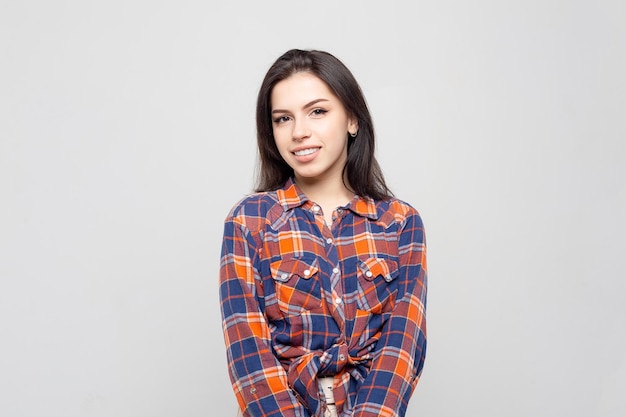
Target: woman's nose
<point x="300" y="131"/>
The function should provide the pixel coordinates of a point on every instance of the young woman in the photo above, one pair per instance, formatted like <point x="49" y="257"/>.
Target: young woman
<point x="323" y="271"/>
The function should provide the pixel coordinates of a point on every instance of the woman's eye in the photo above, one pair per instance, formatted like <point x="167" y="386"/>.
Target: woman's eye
<point x="319" y="112"/>
<point x="281" y="119"/>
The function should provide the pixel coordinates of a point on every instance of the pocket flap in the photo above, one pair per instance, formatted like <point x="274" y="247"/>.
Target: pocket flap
<point x="283" y="269"/>
<point x="373" y="267"/>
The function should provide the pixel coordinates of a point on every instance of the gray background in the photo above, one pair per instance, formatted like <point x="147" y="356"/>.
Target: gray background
<point x="127" y="133"/>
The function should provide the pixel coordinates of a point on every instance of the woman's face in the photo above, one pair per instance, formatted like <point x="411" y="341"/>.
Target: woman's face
<point x="311" y="127"/>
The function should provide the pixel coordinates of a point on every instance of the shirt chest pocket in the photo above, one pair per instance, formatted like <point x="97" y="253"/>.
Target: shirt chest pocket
<point x="297" y="284"/>
<point x="377" y="285"/>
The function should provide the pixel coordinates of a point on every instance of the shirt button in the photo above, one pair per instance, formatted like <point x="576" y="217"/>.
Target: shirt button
<point x="342" y="357"/>
<point x="335" y="270"/>
<point x="284" y="275"/>
<point x="316" y="209"/>
<point x="307" y="272"/>
<point x="252" y="390"/>
<point x="368" y="274"/>
<point x="329" y="241"/>
<point x="337" y="300"/>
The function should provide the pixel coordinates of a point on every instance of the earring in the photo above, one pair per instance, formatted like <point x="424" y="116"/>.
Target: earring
<point x="354" y="134"/>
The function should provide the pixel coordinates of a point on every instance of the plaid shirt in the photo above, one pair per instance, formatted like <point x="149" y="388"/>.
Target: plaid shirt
<point x="301" y="300"/>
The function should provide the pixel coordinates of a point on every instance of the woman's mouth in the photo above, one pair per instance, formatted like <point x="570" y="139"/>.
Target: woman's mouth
<point x="304" y="152"/>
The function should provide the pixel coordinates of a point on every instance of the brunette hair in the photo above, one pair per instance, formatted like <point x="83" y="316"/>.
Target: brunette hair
<point x="362" y="171"/>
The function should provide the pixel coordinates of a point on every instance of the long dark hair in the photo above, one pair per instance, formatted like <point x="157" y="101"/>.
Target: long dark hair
<point x="362" y="171"/>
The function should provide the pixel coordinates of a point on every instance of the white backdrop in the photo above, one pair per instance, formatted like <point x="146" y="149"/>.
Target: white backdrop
<point x="127" y="133"/>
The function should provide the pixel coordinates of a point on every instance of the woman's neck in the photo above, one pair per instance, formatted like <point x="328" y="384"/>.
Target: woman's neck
<point x="325" y="191"/>
<point x="328" y="194"/>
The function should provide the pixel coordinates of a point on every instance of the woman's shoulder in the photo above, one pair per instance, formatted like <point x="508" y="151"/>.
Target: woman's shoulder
<point x="398" y="210"/>
<point x="253" y="206"/>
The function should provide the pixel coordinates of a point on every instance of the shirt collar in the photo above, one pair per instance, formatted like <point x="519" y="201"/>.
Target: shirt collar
<point x="291" y="196"/>
<point x="364" y="206"/>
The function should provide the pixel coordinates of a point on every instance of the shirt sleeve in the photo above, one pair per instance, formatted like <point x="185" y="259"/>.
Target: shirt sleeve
<point x="258" y="379"/>
<point x="399" y="356"/>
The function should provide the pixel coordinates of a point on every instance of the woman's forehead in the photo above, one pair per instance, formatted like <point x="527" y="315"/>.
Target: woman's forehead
<point x="299" y="89"/>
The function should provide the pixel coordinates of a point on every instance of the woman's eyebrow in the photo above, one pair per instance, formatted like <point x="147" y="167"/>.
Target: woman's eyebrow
<point x="307" y="105"/>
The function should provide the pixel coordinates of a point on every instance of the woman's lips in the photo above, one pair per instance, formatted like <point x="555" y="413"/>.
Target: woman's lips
<point x="307" y="151"/>
<point x="306" y="155"/>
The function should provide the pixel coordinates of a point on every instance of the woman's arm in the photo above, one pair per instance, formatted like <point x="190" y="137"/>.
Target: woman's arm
<point x="399" y="355"/>
<point x="259" y="381"/>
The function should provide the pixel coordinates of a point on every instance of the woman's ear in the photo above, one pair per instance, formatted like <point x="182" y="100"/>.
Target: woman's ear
<point x="353" y="126"/>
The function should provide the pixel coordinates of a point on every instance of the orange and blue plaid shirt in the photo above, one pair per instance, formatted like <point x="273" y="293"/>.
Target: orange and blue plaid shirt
<point x="300" y="300"/>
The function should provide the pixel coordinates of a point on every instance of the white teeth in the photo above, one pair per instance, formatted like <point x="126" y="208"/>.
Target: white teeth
<point x="305" y="151"/>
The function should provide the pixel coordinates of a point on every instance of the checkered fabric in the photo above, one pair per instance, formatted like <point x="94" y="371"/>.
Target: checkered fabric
<point x="300" y="299"/>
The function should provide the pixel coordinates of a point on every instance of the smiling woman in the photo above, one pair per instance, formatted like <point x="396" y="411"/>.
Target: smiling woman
<point x="310" y="125"/>
<point x="323" y="271"/>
